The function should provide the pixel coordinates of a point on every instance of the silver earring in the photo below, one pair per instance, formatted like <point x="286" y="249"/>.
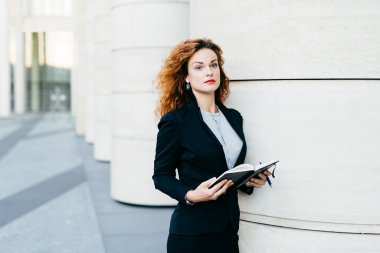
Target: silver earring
<point x="187" y="86"/>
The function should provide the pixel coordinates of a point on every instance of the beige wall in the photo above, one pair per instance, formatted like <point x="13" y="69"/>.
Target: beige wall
<point x="323" y="131"/>
<point x="292" y="39"/>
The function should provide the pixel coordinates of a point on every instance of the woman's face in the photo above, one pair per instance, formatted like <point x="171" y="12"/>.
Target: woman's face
<point x="204" y="72"/>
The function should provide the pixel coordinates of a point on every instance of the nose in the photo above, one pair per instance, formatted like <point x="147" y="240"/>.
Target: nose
<point x="209" y="71"/>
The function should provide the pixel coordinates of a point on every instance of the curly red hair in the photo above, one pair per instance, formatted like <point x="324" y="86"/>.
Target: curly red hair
<point x="171" y="78"/>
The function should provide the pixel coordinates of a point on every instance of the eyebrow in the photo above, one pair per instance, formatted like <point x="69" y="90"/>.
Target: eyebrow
<point x="202" y="62"/>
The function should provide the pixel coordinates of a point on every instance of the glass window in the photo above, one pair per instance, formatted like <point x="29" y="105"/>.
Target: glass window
<point x="49" y="58"/>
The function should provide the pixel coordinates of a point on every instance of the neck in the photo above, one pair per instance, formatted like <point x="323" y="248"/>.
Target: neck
<point x="206" y="102"/>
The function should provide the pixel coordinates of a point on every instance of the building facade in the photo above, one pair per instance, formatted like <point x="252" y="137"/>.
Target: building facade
<point x="304" y="74"/>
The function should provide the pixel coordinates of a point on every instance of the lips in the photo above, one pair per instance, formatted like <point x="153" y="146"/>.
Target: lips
<point x="210" y="81"/>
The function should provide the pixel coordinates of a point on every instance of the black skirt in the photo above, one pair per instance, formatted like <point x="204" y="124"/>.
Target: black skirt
<point x="222" y="242"/>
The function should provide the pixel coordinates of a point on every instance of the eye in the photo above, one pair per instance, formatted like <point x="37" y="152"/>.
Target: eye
<point x="198" y="67"/>
<point x="214" y="65"/>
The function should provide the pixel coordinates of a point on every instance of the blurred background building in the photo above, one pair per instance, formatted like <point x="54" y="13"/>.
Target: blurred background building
<point x="305" y="76"/>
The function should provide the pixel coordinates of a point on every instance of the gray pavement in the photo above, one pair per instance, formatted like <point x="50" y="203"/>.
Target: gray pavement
<point x="54" y="197"/>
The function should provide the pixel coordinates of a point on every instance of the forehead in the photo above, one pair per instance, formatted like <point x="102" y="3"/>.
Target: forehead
<point x="203" y="55"/>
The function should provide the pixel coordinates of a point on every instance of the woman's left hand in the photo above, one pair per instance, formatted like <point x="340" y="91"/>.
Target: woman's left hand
<point x="259" y="182"/>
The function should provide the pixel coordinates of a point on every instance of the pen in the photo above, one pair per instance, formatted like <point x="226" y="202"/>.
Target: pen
<point x="268" y="180"/>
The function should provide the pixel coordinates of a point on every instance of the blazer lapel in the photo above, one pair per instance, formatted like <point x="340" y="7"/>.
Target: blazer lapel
<point x="232" y="120"/>
<point x="193" y="105"/>
<point x="235" y="124"/>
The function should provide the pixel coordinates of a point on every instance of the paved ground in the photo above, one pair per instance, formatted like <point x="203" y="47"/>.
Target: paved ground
<point x="54" y="197"/>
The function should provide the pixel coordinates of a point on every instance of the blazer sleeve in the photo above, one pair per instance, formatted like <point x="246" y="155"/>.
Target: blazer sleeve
<point x="166" y="160"/>
<point x="246" y="189"/>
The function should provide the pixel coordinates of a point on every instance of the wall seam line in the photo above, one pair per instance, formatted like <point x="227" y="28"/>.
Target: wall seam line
<point x="113" y="7"/>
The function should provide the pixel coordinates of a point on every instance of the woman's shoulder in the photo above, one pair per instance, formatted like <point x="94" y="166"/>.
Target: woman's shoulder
<point x="233" y="112"/>
<point x="174" y="116"/>
<point x="237" y="115"/>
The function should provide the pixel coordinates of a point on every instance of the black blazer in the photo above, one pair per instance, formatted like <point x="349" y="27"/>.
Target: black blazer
<point x="185" y="142"/>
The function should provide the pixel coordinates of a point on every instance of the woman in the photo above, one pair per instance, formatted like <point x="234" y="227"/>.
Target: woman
<point x="201" y="138"/>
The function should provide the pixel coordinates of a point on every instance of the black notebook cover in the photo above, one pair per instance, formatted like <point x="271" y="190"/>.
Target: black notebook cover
<point x="242" y="173"/>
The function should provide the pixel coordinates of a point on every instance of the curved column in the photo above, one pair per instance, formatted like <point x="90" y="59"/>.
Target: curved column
<point x="324" y="132"/>
<point x="5" y="85"/>
<point x="35" y="75"/>
<point x="78" y="76"/>
<point x="20" y="84"/>
<point x="102" y="81"/>
<point x="89" y="96"/>
<point x="143" y="31"/>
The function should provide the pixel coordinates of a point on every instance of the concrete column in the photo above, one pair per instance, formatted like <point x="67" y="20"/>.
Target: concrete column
<point x="102" y="77"/>
<point x="35" y="76"/>
<point x="89" y="93"/>
<point x="324" y="132"/>
<point x="142" y="33"/>
<point x="78" y="75"/>
<point x="20" y="85"/>
<point x="5" y="85"/>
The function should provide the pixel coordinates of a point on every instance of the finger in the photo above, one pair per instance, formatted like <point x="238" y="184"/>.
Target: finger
<point x="211" y="180"/>
<point x="262" y="176"/>
<point x="252" y="184"/>
<point x="208" y="182"/>
<point x="216" y="187"/>
<point x="267" y="173"/>
<point x="257" y="181"/>
<point x="257" y="185"/>
<point x="223" y="189"/>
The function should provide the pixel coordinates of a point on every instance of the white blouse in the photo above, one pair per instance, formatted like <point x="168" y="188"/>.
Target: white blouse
<point x="226" y="135"/>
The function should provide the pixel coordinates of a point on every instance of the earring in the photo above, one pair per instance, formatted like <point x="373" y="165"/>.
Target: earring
<point x="187" y="86"/>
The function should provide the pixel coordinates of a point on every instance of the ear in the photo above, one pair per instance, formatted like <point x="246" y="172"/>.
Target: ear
<point x="187" y="79"/>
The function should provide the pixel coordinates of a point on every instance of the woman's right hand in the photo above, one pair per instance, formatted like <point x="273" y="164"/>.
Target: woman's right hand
<point x="203" y="193"/>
